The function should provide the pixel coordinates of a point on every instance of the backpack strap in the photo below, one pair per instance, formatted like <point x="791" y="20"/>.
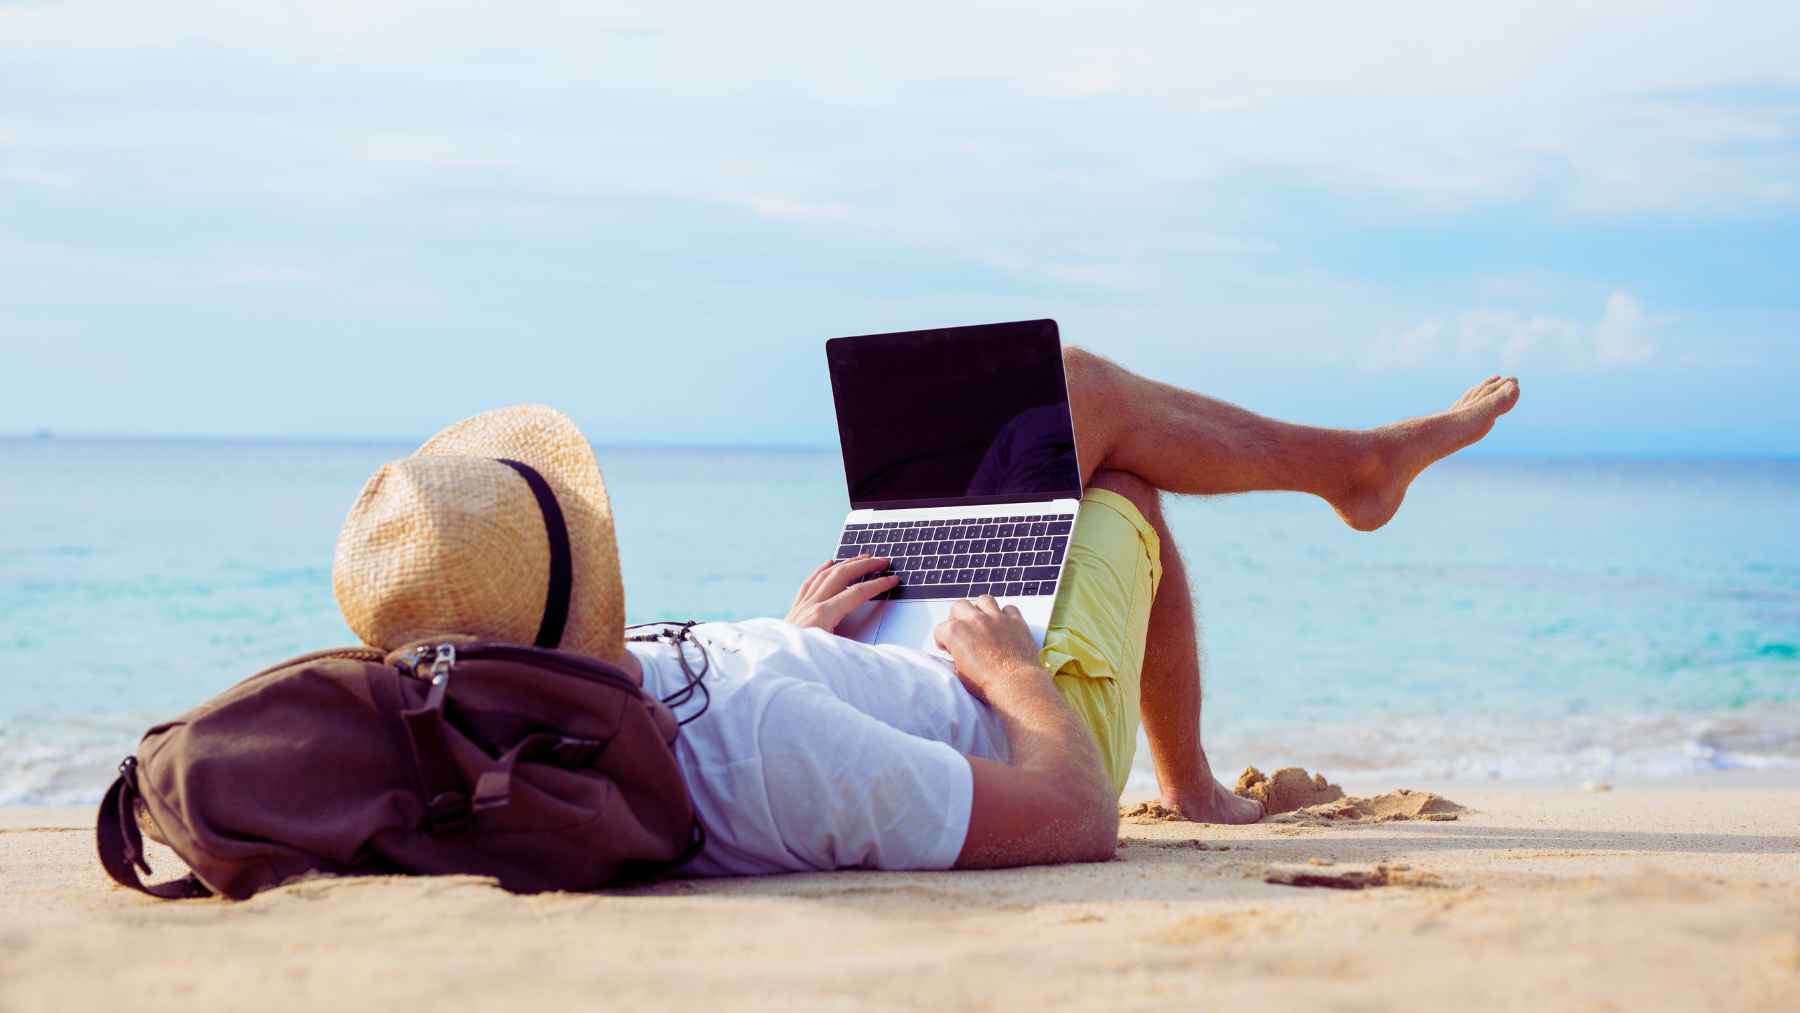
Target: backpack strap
<point x="122" y="845"/>
<point x="447" y="808"/>
<point x="493" y="789"/>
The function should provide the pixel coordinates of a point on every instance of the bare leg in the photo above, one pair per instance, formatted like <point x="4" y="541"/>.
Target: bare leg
<point x="1170" y="691"/>
<point x="1185" y="442"/>
<point x="1136" y="436"/>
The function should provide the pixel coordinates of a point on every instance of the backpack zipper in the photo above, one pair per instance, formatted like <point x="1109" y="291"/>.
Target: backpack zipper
<point x="440" y="675"/>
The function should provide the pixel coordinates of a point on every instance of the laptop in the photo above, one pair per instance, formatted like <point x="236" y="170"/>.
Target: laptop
<point x="959" y="458"/>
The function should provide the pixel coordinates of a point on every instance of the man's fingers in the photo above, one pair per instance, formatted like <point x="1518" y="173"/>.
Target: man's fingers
<point x="840" y="576"/>
<point x="844" y="602"/>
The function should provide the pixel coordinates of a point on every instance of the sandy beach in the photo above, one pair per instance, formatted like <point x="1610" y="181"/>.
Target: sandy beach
<point x="1671" y="895"/>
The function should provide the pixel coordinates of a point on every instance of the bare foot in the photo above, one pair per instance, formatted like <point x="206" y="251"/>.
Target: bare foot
<point x="1217" y="806"/>
<point x="1398" y="452"/>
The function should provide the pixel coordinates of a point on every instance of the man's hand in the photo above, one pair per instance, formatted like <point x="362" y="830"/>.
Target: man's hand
<point x="992" y="647"/>
<point x="829" y="594"/>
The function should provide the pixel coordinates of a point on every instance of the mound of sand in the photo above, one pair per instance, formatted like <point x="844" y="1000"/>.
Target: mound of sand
<point x="1401" y="804"/>
<point x="1309" y="798"/>
<point x="1149" y="812"/>
<point x="1289" y="789"/>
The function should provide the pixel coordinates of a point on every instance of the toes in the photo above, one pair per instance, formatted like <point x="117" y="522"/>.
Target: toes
<point x="1477" y="392"/>
<point x="1509" y="392"/>
<point x="1492" y="387"/>
<point x="1500" y="396"/>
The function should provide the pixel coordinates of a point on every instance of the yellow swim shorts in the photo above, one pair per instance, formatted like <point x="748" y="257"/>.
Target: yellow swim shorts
<point x="1094" y="647"/>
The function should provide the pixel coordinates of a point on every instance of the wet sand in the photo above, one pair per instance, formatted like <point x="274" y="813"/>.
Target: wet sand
<point x="1676" y="895"/>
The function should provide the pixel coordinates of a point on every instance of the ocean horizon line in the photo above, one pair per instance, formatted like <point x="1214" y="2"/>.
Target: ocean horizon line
<point x="256" y="440"/>
<point x="261" y="440"/>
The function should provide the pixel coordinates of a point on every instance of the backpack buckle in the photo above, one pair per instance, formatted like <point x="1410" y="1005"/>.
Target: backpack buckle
<point x="448" y="812"/>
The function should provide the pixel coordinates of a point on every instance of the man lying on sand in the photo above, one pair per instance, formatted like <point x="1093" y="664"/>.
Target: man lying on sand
<point x="818" y="752"/>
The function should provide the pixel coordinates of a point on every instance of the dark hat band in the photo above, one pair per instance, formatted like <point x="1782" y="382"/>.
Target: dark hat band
<point x="562" y="567"/>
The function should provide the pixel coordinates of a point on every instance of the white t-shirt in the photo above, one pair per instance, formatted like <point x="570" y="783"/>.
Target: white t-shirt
<point x="818" y="752"/>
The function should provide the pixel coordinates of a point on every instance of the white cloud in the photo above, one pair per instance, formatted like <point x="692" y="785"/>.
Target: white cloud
<point x="1410" y="347"/>
<point x="786" y="208"/>
<point x="1509" y="340"/>
<point x="1619" y="339"/>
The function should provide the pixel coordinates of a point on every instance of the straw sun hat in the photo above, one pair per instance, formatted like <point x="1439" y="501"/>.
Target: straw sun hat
<point x="499" y="526"/>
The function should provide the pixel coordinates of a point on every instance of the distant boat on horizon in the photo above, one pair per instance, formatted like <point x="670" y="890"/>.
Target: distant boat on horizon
<point x="42" y="434"/>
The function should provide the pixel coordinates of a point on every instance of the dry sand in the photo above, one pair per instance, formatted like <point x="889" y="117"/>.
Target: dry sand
<point x="1288" y="789"/>
<point x="1668" y="896"/>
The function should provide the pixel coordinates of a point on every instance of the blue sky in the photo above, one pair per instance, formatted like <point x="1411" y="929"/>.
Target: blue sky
<point x="367" y="220"/>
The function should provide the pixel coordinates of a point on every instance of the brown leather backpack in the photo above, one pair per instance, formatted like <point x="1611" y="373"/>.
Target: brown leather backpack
<point x="544" y="769"/>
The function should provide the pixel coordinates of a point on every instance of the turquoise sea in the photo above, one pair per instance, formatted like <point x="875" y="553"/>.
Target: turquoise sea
<point x="1520" y="618"/>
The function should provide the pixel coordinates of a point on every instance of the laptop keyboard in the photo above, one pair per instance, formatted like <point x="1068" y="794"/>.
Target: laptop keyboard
<point x="1013" y="557"/>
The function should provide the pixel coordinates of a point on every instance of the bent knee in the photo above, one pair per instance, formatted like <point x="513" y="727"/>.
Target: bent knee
<point x="1076" y="358"/>
<point x="1141" y="494"/>
<point x="1084" y="370"/>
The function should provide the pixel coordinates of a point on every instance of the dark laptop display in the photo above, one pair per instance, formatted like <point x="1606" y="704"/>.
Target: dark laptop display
<point x="960" y="415"/>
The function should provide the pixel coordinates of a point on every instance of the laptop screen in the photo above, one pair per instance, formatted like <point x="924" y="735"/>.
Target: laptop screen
<point x="961" y="415"/>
